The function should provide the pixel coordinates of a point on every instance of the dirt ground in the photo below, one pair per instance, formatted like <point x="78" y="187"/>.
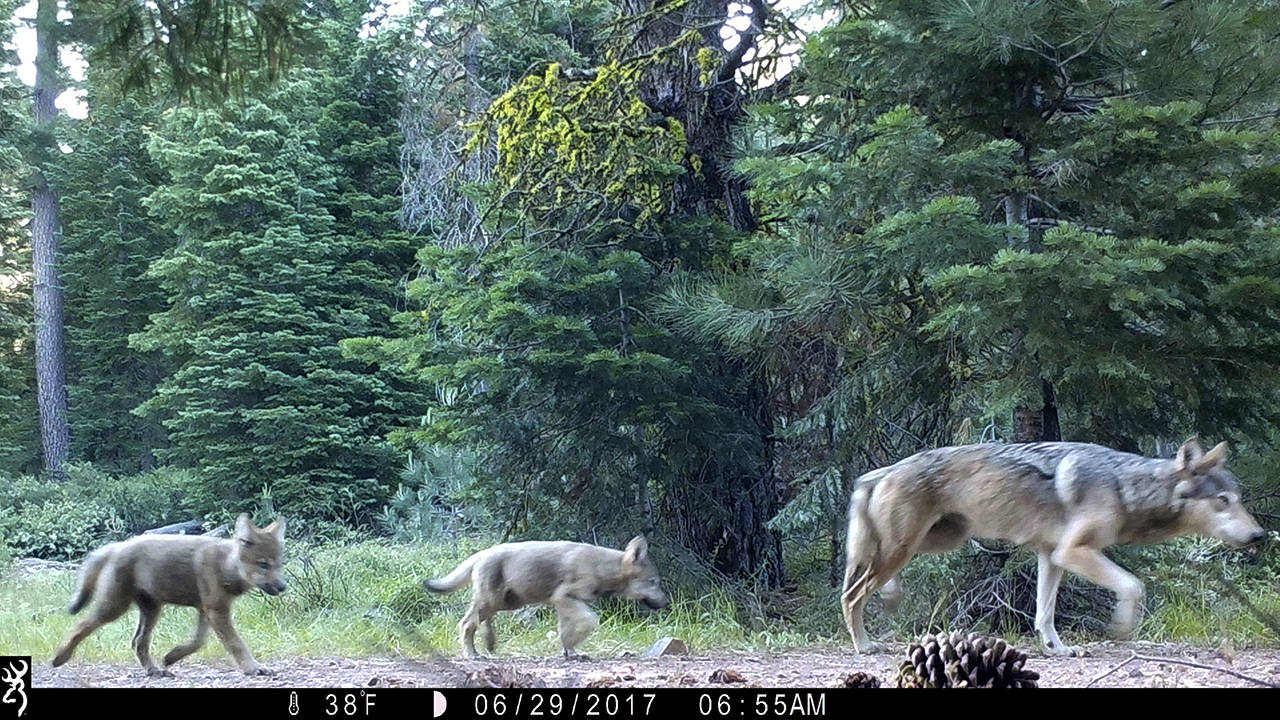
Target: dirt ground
<point x="790" y="669"/>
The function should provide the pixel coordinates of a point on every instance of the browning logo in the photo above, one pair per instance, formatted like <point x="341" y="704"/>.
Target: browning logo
<point x="15" y="672"/>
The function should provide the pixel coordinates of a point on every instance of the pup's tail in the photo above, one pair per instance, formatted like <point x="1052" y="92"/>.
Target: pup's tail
<point x="87" y="581"/>
<point x="456" y="579"/>
<point x="862" y="550"/>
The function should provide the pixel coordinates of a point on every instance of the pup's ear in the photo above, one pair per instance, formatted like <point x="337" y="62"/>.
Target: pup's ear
<point x="1189" y="454"/>
<point x="1212" y="459"/>
<point x="637" y="550"/>
<point x="276" y="528"/>
<point x="244" y="528"/>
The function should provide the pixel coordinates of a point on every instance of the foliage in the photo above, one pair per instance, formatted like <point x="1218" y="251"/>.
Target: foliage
<point x="592" y="146"/>
<point x="975" y="208"/>
<point x="108" y="242"/>
<point x="438" y="499"/>
<point x="19" y="428"/>
<point x="66" y="520"/>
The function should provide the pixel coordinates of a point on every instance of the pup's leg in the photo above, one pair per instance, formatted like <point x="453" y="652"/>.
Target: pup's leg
<point x="220" y="618"/>
<point x="478" y="614"/>
<point x="576" y="623"/>
<point x="490" y="639"/>
<point x="112" y="605"/>
<point x="1048" y="577"/>
<point x="197" y="642"/>
<point x="1077" y="554"/>
<point x="148" y="613"/>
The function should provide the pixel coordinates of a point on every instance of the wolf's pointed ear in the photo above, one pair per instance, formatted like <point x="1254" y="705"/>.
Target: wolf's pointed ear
<point x="1213" y="458"/>
<point x="1189" y="454"/>
<point x="244" y="527"/>
<point x="637" y="550"/>
<point x="276" y="528"/>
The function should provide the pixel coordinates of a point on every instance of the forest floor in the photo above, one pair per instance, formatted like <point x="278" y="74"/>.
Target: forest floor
<point x="789" y="669"/>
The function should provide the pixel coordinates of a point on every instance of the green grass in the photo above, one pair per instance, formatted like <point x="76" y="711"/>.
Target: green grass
<point x="359" y="600"/>
<point x="367" y="599"/>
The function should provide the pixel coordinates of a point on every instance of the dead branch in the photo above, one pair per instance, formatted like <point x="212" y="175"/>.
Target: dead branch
<point x="1154" y="658"/>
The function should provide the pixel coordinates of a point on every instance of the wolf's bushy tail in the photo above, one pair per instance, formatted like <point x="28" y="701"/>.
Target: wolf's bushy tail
<point x="460" y="576"/>
<point x="87" y="581"/>
<point x="862" y="550"/>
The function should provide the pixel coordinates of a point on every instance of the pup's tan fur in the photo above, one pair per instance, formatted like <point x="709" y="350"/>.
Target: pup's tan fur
<point x="565" y="575"/>
<point x="201" y="572"/>
<point x="1069" y="501"/>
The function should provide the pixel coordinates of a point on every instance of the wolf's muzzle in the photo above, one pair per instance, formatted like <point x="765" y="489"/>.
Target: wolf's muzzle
<point x="656" y="604"/>
<point x="273" y="588"/>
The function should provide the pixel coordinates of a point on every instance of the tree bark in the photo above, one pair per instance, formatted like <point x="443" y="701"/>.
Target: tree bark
<point x="720" y="512"/>
<point x="708" y="113"/>
<point x="46" y="245"/>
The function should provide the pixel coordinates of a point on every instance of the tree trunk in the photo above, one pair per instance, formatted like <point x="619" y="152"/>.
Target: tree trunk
<point x="720" y="512"/>
<point x="46" y="242"/>
<point x="708" y="114"/>
<point x="1031" y="424"/>
<point x="1038" y="424"/>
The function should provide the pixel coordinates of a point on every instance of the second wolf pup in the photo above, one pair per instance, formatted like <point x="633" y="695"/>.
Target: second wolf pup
<point x="196" y="571"/>
<point x="565" y="575"/>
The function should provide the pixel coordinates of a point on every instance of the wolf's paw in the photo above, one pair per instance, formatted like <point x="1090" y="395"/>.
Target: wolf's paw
<point x="577" y="657"/>
<point x="871" y="648"/>
<point x="156" y="672"/>
<point x="258" y="670"/>
<point x="1065" y="650"/>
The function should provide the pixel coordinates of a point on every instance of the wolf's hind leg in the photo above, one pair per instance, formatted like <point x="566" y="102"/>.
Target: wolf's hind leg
<point x="479" y="617"/>
<point x="112" y="605"/>
<point x="891" y="595"/>
<point x="148" y="614"/>
<point x="197" y="642"/>
<point x="490" y="638"/>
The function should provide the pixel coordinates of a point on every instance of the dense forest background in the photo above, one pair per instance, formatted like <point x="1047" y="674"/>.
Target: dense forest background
<point x="583" y="269"/>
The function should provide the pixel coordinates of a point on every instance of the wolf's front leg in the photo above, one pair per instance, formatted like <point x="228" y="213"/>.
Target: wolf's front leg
<point x="1048" y="577"/>
<point x="576" y="623"/>
<point x="1089" y="562"/>
<point x="220" y="620"/>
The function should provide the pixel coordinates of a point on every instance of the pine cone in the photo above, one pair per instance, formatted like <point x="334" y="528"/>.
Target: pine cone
<point x="907" y="677"/>
<point x="952" y="660"/>
<point x="861" y="680"/>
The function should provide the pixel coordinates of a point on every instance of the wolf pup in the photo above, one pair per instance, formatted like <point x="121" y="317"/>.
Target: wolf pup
<point x="565" y="575"/>
<point x="201" y="572"/>
<point x="1068" y="501"/>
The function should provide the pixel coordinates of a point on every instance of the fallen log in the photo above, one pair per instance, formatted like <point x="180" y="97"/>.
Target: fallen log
<point x="190" y="527"/>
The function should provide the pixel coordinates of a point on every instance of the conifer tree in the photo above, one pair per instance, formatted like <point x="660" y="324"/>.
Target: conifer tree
<point x="19" y="427"/>
<point x="109" y="242"/>
<point x="1016" y="221"/>
<point x="260" y="291"/>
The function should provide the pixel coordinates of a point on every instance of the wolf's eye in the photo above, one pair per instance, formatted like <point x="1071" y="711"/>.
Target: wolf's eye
<point x="264" y="564"/>
<point x="1221" y="502"/>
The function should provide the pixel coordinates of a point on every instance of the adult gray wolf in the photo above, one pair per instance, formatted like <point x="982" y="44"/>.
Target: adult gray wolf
<point x="196" y="571"/>
<point x="1066" y="500"/>
<point x="564" y="575"/>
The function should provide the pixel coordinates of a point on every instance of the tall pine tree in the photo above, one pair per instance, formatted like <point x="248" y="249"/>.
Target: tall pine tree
<point x="261" y="287"/>
<point x="109" y="242"/>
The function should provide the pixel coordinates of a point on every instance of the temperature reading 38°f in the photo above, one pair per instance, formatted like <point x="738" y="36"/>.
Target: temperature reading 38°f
<point x="349" y="704"/>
